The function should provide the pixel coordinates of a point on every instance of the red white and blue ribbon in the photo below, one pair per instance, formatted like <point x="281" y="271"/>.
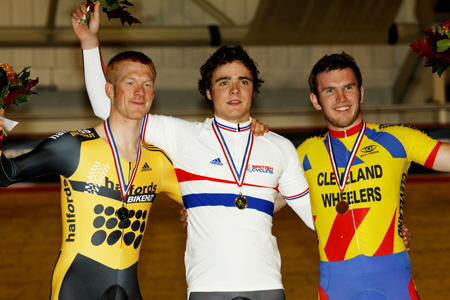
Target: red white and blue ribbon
<point x="124" y="188"/>
<point x="342" y="181"/>
<point x="238" y="174"/>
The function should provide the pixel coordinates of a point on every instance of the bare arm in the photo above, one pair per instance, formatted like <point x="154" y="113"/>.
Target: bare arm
<point x="279" y="203"/>
<point x="442" y="161"/>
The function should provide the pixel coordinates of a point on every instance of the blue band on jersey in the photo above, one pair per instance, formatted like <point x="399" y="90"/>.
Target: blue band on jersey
<point x="196" y="200"/>
<point x="388" y="141"/>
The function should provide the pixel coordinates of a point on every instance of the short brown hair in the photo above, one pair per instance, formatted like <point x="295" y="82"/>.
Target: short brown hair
<point x="330" y="63"/>
<point x="132" y="56"/>
<point x="225" y="55"/>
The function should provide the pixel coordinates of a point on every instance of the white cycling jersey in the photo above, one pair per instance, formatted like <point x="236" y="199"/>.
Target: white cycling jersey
<point x="228" y="249"/>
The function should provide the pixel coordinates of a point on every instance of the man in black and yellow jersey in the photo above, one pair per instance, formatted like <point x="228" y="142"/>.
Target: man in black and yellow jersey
<point x="109" y="179"/>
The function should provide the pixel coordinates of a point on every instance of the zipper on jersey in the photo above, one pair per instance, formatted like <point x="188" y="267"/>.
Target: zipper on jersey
<point x="129" y="171"/>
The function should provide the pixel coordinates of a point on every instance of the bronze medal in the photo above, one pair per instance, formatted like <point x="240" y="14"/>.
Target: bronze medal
<point x="342" y="207"/>
<point x="122" y="213"/>
<point x="241" y="202"/>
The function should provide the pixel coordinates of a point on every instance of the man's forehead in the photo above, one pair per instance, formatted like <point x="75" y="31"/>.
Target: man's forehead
<point x="231" y="66"/>
<point x="345" y="76"/>
<point x="130" y="67"/>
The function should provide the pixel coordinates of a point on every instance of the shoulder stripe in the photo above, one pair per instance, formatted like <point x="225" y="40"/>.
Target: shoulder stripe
<point x="432" y="157"/>
<point x="151" y="147"/>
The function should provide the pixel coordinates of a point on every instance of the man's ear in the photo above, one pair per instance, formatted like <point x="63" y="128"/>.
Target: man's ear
<point x="315" y="101"/>
<point x="362" y="94"/>
<point x="208" y="95"/>
<point x="109" y="89"/>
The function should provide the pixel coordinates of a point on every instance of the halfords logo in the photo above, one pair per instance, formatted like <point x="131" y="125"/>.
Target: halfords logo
<point x="136" y="193"/>
<point x="83" y="132"/>
<point x="260" y="169"/>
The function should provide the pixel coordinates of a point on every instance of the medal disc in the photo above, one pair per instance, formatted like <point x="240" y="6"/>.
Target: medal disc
<point x="122" y="213"/>
<point x="342" y="207"/>
<point x="241" y="202"/>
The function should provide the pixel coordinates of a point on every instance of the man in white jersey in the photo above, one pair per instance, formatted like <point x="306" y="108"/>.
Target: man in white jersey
<point x="229" y="178"/>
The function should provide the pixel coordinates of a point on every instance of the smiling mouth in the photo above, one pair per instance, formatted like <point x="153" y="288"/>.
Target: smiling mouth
<point x="343" y="108"/>
<point x="234" y="102"/>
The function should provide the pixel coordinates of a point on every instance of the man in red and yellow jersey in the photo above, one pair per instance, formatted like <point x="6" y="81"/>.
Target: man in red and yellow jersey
<point x="357" y="174"/>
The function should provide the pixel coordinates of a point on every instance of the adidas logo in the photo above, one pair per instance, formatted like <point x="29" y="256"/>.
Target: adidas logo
<point x="146" y="167"/>
<point x="216" y="162"/>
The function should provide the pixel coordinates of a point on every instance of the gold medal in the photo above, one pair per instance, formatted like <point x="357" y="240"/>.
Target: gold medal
<point x="342" y="207"/>
<point x="241" y="202"/>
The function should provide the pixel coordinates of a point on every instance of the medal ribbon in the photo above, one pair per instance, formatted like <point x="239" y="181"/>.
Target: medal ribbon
<point x="124" y="188"/>
<point x="342" y="182"/>
<point x="238" y="175"/>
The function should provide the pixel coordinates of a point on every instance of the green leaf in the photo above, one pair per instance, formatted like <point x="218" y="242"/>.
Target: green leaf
<point x="110" y="4"/>
<point x="443" y="45"/>
<point x="4" y="92"/>
<point x="21" y="98"/>
<point x="440" y="69"/>
<point x="103" y="3"/>
<point x="24" y="75"/>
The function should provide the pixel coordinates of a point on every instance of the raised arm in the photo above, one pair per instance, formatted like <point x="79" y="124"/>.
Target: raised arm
<point x="94" y="75"/>
<point x="87" y="35"/>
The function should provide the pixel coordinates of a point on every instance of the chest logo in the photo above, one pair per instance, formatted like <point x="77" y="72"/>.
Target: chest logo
<point x="146" y="167"/>
<point x="216" y="161"/>
<point x="260" y="169"/>
<point x="369" y="149"/>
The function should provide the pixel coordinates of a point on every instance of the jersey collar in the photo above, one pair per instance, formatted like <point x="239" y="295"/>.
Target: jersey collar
<point x="229" y="126"/>
<point x="345" y="133"/>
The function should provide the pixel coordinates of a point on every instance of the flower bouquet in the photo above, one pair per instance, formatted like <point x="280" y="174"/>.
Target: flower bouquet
<point x="15" y="88"/>
<point x="114" y="9"/>
<point x="435" y="47"/>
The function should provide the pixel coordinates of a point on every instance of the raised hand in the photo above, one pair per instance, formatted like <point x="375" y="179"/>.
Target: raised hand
<point x="87" y="34"/>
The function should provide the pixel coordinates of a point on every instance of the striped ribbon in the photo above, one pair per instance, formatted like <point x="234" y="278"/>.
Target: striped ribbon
<point x="238" y="175"/>
<point x="342" y="182"/>
<point x="124" y="188"/>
